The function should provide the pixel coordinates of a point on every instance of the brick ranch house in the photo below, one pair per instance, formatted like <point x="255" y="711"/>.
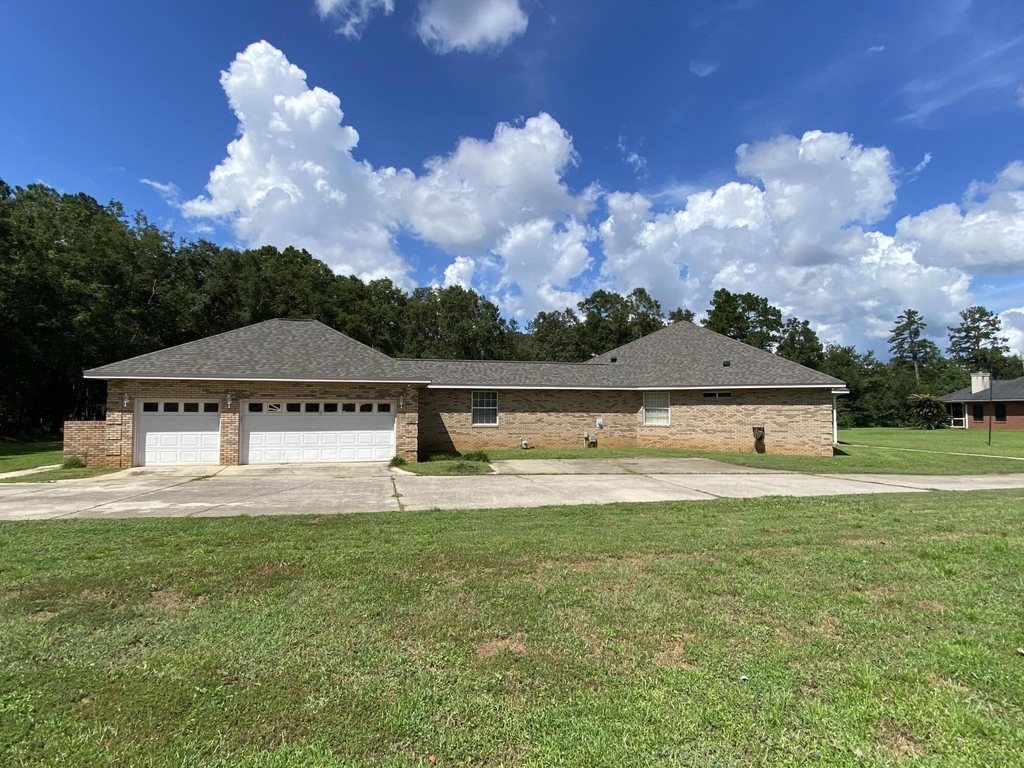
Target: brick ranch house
<point x="297" y="391"/>
<point x="1001" y="402"/>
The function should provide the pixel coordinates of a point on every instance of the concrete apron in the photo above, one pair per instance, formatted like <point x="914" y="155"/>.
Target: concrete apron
<point x="338" y="489"/>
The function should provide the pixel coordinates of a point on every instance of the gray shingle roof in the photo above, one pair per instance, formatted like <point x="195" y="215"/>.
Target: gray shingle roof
<point x="302" y="350"/>
<point x="1011" y="389"/>
<point x="682" y="355"/>
<point x="685" y="355"/>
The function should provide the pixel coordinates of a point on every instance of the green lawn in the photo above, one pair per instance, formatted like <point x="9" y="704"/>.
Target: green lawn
<point x="847" y="460"/>
<point x="835" y="631"/>
<point x="15" y="456"/>
<point x="448" y="467"/>
<point x="1004" y="442"/>
<point x="73" y="473"/>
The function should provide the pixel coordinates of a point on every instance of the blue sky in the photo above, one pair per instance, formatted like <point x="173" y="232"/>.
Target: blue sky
<point x="866" y="125"/>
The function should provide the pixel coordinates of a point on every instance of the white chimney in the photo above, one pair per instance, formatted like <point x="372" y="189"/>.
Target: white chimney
<point x="980" y="382"/>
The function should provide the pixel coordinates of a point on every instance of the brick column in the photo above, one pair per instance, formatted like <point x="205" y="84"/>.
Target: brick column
<point x="407" y="427"/>
<point x="230" y="431"/>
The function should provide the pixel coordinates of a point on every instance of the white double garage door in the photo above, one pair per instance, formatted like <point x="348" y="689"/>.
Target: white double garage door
<point x="282" y="432"/>
<point x="272" y="432"/>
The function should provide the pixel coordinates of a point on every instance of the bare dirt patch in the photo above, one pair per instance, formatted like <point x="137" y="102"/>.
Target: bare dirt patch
<point x="674" y="653"/>
<point x="897" y="742"/>
<point x="931" y="605"/>
<point x="514" y="645"/>
<point x="171" y="600"/>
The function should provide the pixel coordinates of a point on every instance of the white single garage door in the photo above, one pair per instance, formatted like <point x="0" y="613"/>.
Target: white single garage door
<point x="282" y="432"/>
<point x="178" y="432"/>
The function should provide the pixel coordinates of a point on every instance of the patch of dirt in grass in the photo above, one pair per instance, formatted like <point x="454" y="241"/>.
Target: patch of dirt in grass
<point x="43" y="615"/>
<point x="867" y="542"/>
<point x="828" y="625"/>
<point x="931" y="605"/>
<point x="515" y="645"/>
<point x="674" y="653"/>
<point x="595" y="648"/>
<point x="897" y="742"/>
<point x="171" y="601"/>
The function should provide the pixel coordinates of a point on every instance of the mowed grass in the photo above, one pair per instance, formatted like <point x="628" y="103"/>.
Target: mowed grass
<point x="1004" y="442"/>
<point x="848" y="460"/>
<point x="60" y="473"/>
<point x="837" y="631"/>
<point x="448" y="467"/>
<point x="16" y="455"/>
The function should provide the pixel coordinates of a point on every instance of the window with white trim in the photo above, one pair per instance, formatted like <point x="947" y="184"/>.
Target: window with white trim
<point x="656" y="409"/>
<point x="485" y="409"/>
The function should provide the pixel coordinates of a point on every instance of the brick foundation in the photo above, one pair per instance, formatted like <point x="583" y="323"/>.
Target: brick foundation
<point x="796" y="421"/>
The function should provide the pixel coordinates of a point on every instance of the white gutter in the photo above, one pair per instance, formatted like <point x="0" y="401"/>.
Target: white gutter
<point x="255" y="378"/>
<point x="641" y="389"/>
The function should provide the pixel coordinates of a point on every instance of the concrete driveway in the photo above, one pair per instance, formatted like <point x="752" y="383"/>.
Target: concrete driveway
<point x="332" y="489"/>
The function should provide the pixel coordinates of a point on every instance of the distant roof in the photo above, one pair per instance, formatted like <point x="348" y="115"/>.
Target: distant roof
<point x="680" y="356"/>
<point x="1011" y="389"/>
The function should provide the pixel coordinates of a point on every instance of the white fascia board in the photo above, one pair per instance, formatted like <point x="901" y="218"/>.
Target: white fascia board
<point x="636" y="389"/>
<point x="254" y="378"/>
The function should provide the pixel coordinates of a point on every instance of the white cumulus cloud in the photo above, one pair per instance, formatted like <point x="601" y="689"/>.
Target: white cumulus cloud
<point x="802" y="223"/>
<point x="796" y="234"/>
<point x="470" y="25"/>
<point x="985" y="231"/>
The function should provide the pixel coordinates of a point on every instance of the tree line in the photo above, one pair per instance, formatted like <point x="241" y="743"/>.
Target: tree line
<point x="84" y="284"/>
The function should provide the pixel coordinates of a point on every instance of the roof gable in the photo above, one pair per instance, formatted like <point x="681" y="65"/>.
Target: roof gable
<point x="685" y="354"/>
<point x="291" y="350"/>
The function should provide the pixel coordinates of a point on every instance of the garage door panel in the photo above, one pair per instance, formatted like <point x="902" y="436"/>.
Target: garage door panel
<point x="170" y="438"/>
<point x="317" y="437"/>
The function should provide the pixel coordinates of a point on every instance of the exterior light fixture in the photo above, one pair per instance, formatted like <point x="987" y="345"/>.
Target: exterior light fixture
<point x="125" y="399"/>
<point x="229" y="399"/>
<point x="401" y="401"/>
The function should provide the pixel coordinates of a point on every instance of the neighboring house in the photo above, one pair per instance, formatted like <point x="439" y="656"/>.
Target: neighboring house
<point x="298" y="391"/>
<point x="998" y="402"/>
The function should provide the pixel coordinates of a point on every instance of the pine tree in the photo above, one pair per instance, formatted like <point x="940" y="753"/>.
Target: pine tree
<point x="906" y="343"/>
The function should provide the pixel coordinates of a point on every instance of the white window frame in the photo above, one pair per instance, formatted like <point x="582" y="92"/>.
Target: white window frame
<point x="650" y="410"/>
<point x="473" y="407"/>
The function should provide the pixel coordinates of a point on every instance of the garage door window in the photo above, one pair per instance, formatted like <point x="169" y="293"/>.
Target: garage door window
<point x="170" y="407"/>
<point x="190" y="407"/>
<point x="312" y="407"/>
<point x="383" y="407"/>
<point x="293" y="407"/>
<point x="255" y="407"/>
<point x="211" y="407"/>
<point x="330" y="407"/>
<point x="366" y="407"/>
<point x="485" y="409"/>
<point x="150" y="407"/>
<point x="349" y="408"/>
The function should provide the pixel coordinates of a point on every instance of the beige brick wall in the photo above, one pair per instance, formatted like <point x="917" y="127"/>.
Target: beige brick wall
<point x="88" y="441"/>
<point x="118" y="430"/>
<point x="795" y="421"/>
